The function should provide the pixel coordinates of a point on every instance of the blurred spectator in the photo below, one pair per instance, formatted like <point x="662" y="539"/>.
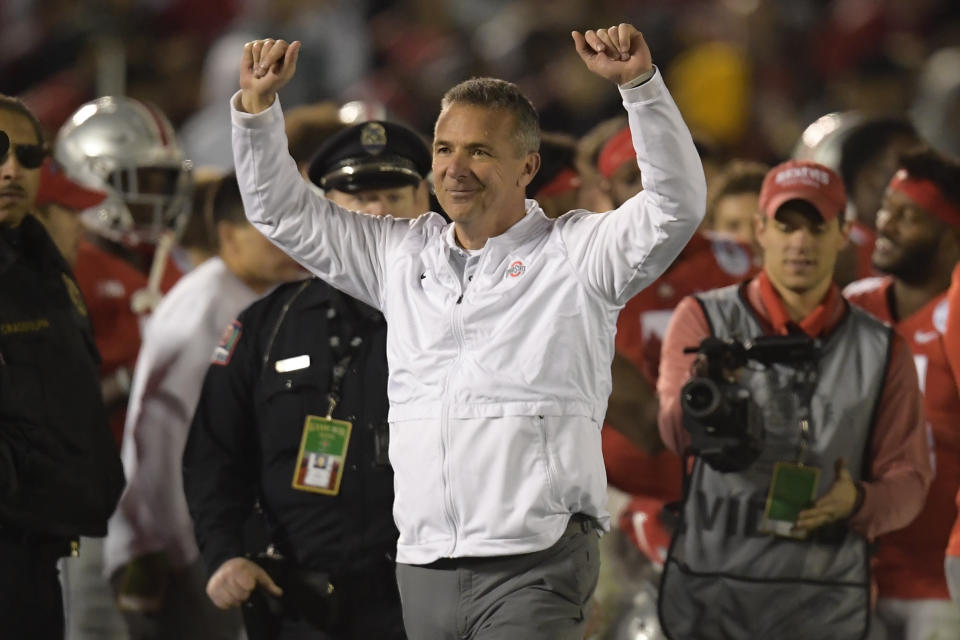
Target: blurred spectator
<point x="151" y="554"/>
<point x="594" y="189"/>
<point x="198" y="240"/>
<point x="713" y="81"/>
<point x="557" y="184"/>
<point x="732" y="203"/>
<point x="918" y="245"/>
<point x="617" y="164"/>
<point x="936" y="108"/>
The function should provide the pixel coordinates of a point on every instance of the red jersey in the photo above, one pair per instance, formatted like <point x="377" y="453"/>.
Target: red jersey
<point x="705" y="263"/>
<point x="909" y="562"/>
<point x="107" y="283"/>
<point x="951" y="341"/>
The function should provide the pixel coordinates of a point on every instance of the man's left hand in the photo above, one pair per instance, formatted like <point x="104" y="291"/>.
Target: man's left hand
<point x="836" y="504"/>
<point x="618" y="54"/>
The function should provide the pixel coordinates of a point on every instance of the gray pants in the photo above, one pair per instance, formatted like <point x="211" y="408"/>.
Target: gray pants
<point x="533" y="596"/>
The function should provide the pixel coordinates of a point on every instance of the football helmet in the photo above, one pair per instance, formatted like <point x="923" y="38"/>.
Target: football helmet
<point x="128" y="149"/>
<point x="822" y="140"/>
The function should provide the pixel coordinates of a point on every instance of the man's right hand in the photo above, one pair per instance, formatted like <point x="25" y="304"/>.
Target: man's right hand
<point x="266" y="66"/>
<point x="231" y="584"/>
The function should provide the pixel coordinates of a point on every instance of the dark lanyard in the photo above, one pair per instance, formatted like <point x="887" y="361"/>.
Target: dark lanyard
<point x="340" y="371"/>
<point x="805" y="385"/>
<point x="346" y="352"/>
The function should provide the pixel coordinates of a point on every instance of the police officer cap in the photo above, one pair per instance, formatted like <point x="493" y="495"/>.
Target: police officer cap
<point x="371" y="155"/>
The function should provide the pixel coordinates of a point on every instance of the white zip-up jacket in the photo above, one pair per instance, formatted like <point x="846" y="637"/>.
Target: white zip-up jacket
<point x="497" y="389"/>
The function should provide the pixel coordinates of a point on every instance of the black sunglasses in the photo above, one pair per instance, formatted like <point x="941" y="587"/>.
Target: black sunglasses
<point x="30" y="156"/>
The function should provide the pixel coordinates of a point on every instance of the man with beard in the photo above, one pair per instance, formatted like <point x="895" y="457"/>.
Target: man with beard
<point x="918" y="243"/>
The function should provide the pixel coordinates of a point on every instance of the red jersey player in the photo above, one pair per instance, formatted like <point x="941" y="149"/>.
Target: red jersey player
<point x="918" y="243"/>
<point x="127" y="150"/>
<point x="951" y="343"/>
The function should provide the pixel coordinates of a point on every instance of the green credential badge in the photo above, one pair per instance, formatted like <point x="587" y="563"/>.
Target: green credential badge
<point x="323" y="452"/>
<point x="792" y="490"/>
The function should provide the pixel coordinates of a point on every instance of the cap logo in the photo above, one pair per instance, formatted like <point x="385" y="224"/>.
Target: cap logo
<point x="373" y="138"/>
<point x="803" y="174"/>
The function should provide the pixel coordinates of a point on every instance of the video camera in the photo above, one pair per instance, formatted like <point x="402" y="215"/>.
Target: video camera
<point x="723" y="420"/>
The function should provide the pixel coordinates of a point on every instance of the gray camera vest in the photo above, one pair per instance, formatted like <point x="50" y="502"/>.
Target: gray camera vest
<point x="726" y="580"/>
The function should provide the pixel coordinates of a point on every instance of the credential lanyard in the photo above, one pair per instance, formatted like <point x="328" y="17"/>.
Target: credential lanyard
<point x="805" y="384"/>
<point x="343" y="365"/>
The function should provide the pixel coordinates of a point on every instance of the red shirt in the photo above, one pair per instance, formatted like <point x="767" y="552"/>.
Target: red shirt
<point x="899" y="456"/>
<point x="704" y="264"/>
<point x="909" y="562"/>
<point x="951" y="343"/>
<point x="107" y="282"/>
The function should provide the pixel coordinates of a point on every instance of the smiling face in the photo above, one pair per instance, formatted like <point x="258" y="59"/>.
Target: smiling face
<point x="479" y="170"/>
<point x="908" y="239"/>
<point x="799" y="248"/>
<point x="18" y="184"/>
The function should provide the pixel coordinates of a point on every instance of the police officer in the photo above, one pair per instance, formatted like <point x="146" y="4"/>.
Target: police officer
<point x="293" y="414"/>
<point x="60" y="474"/>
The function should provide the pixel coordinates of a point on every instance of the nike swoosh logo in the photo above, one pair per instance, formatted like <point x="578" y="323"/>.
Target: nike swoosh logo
<point x="924" y="337"/>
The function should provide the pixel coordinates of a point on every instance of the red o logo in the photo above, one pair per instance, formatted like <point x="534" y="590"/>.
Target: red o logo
<point x="516" y="269"/>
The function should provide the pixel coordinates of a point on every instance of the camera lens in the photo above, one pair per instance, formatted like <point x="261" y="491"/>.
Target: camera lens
<point x="700" y="398"/>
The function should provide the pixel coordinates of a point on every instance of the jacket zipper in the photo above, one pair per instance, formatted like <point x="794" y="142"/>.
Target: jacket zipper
<point x="448" y="501"/>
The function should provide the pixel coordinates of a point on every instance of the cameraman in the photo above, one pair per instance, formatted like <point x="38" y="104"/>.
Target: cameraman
<point x="852" y="410"/>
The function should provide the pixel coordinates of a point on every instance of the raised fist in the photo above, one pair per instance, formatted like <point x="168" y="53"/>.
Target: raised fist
<point x="266" y="66"/>
<point x="618" y="54"/>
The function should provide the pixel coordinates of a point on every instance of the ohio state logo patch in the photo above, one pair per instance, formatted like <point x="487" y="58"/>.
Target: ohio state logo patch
<point x="228" y="342"/>
<point x="516" y="269"/>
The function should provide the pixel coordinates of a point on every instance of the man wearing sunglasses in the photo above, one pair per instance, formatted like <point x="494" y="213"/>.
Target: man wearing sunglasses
<point x="60" y="475"/>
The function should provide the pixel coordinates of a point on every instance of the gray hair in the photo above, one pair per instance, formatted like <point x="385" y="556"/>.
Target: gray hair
<point x="500" y="94"/>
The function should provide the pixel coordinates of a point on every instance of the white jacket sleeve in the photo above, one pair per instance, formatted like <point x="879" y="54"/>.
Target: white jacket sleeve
<point x="344" y="248"/>
<point x="619" y="252"/>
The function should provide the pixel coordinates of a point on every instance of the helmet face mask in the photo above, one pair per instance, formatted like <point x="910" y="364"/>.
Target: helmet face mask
<point x="128" y="150"/>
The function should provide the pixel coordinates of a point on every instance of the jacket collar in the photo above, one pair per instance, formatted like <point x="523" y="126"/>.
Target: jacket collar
<point x="533" y="223"/>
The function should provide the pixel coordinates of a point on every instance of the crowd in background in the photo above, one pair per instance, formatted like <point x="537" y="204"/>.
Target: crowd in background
<point x="748" y="75"/>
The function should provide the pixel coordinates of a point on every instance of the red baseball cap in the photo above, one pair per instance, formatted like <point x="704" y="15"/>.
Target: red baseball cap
<point x="803" y="180"/>
<point x="57" y="188"/>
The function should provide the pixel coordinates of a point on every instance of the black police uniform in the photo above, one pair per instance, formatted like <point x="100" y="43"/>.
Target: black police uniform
<point x="243" y="448"/>
<point x="60" y="473"/>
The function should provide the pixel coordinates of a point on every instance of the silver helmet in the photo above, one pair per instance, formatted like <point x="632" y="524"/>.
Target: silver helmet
<point x="127" y="149"/>
<point x="822" y="140"/>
